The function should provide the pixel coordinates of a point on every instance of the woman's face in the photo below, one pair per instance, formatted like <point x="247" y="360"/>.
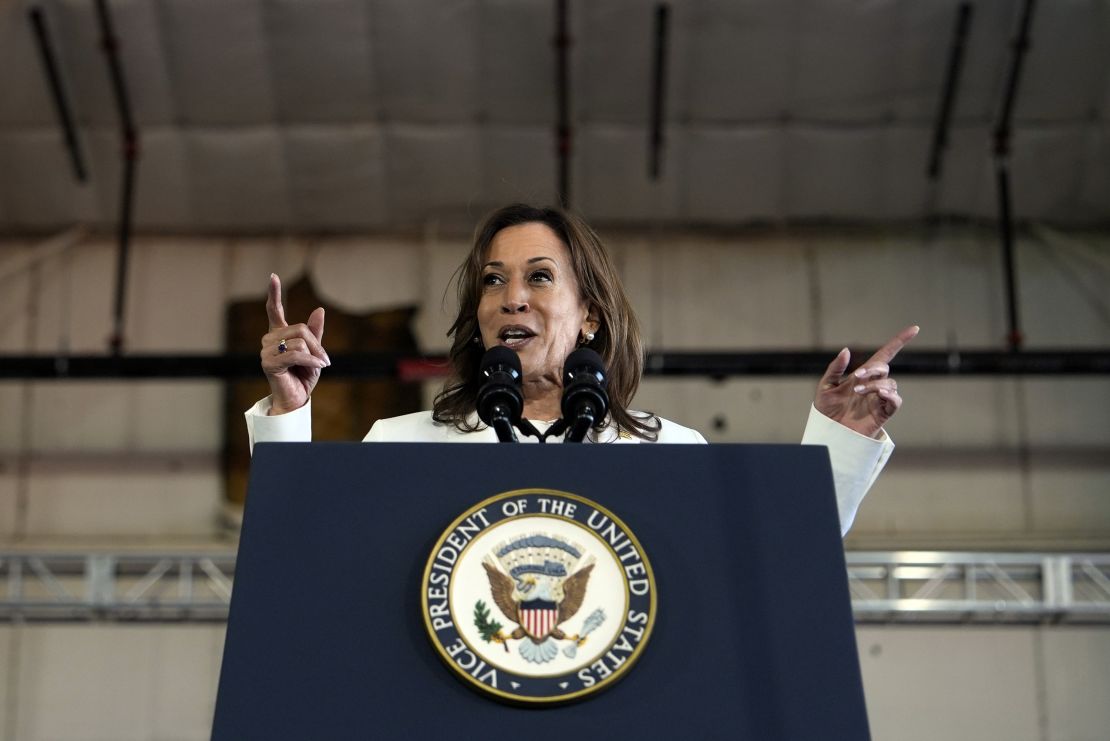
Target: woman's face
<point x="530" y="301"/>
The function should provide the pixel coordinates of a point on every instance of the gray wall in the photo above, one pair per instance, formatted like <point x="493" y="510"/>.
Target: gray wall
<point x="981" y="463"/>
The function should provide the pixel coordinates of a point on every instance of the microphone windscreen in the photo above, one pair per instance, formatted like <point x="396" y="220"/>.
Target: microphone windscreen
<point x="499" y="355"/>
<point x="585" y="360"/>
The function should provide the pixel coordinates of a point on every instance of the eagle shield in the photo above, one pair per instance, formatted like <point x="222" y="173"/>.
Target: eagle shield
<point x="536" y="582"/>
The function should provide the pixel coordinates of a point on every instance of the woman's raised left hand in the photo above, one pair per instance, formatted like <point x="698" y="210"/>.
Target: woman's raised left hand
<point x="865" y="400"/>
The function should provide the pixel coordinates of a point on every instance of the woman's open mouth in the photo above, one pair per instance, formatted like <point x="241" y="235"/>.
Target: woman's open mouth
<point x="515" y="337"/>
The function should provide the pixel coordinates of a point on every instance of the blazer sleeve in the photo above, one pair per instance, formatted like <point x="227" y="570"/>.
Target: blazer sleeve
<point x="856" y="461"/>
<point x="292" y="427"/>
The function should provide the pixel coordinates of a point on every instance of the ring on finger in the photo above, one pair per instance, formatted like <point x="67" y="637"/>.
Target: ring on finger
<point x="282" y="347"/>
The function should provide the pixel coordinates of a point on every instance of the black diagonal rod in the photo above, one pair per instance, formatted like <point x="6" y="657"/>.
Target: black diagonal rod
<point x="1002" y="135"/>
<point x="57" y="92"/>
<point x="951" y="88"/>
<point x="130" y="155"/>
<point x="658" y="90"/>
<point x="562" y="92"/>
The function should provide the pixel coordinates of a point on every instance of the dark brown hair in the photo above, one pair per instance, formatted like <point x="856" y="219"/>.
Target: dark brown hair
<point x="617" y="339"/>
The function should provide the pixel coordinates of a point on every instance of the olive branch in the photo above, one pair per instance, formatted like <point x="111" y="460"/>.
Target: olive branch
<point x="489" y="629"/>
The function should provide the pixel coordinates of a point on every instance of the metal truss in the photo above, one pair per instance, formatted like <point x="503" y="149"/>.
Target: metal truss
<point x="886" y="587"/>
<point x="163" y="587"/>
<point x="950" y="587"/>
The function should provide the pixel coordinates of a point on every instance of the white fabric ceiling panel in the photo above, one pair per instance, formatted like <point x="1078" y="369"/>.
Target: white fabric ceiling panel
<point x="36" y="187"/>
<point x="75" y="308"/>
<point x="428" y="59"/>
<point x="857" y="307"/>
<point x="612" y="49"/>
<point x="238" y="178"/>
<point x="903" y="187"/>
<point x="968" y="181"/>
<point x="1069" y="61"/>
<point x="365" y="114"/>
<point x="833" y="173"/>
<point x="223" y="68"/>
<point x="758" y="295"/>
<point x="987" y="57"/>
<point x="1047" y="170"/>
<point x="77" y="39"/>
<point x="517" y="64"/>
<point x="1055" y="284"/>
<point x="167" y="275"/>
<point x="323" y="69"/>
<point x="518" y="165"/>
<point x="922" y="37"/>
<point x="741" y="61"/>
<point x="102" y="156"/>
<point x="364" y="275"/>
<point x="610" y="175"/>
<point x="733" y="174"/>
<point x="432" y="171"/>
<point x="1094" y="195"/>
<point x="162" y="193"/>
<point x="337" y="176"/>
<point x="835" y="75"/>
<point x="15" y="298"/>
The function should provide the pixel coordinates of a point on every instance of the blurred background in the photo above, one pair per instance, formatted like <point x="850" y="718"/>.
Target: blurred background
<point x="776" y="179"/>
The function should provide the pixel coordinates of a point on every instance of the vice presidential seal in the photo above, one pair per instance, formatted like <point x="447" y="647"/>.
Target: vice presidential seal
<point x="538" y="596"/>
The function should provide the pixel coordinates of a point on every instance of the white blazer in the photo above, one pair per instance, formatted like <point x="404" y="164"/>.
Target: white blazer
<point x="856" y="459"/>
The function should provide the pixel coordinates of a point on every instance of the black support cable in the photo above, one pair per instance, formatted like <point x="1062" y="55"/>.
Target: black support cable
<point x="563" y="131"/>
<point x="658" y="90"/>
<point x="715" y="365"/>
<point x="130" y="155"/>
<point x="1002" y="136"/>
<point x="57" y="92"/>
<point x="951" y="88"/>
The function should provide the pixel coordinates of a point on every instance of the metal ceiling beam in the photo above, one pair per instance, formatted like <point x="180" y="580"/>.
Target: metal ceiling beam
<point x="129" y="139"/>
<point x="1002" y="136"/>
<point x="58" y="92"/>
<point x="951" y="88"/>
<point x="715" y="365"/>
<point x="563" y="132"/>
<point x="658" y="90"/>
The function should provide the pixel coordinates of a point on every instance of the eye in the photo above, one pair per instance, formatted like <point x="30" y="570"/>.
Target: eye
<point x="541" y="276"/>
<point x="491" y="279"/>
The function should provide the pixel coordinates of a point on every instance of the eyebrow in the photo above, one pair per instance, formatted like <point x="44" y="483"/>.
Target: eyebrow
<point x="499" y="264"/>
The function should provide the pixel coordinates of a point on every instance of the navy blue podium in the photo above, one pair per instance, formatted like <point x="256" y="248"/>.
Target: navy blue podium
<point x="753" y="639"/>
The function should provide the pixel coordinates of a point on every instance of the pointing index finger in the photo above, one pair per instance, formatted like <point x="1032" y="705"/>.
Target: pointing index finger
<point x="274" y="310"/>
<point x="886" y="353"/>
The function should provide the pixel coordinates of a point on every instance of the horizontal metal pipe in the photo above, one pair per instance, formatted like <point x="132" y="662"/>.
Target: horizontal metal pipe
<point x="690" y="364"/>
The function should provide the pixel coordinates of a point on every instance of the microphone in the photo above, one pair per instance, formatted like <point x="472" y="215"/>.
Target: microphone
<point x="500" y="399"/>
<point x="585" y="401"/>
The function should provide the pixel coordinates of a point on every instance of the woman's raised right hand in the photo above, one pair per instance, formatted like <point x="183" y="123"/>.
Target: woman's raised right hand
<point x="293" y="371"/>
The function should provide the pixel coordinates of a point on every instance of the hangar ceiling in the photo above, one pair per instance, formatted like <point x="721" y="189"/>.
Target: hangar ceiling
<point x="340" y="115"/>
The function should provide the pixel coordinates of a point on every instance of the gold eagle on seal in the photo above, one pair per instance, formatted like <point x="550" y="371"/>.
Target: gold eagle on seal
<point x="537" y="583"/>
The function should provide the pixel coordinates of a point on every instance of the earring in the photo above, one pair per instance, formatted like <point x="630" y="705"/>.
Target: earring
<point x="586" y="339"/>
<point x="476" y="339"/>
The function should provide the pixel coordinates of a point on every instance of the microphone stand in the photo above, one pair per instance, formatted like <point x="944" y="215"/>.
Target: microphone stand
<point x="582" y="424"/>
<point x="502" y="423"/>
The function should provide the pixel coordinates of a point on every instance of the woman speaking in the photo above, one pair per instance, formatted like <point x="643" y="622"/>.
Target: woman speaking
<point x="540" y="282"/>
